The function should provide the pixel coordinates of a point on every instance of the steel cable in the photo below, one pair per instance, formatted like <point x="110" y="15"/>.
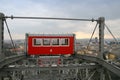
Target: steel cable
<point x="13" y="45"/>
<point x="92" y="35"/>
<point x="111" y="33"/>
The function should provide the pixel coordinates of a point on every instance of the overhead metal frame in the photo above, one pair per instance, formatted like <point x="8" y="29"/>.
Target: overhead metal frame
<point x="100" y="21"/>
<point x="5" y="60"/>
<point x="49" y="18"/>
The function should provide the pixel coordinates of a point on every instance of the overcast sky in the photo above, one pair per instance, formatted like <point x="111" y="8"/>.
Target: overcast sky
<point x="83" y="9"/>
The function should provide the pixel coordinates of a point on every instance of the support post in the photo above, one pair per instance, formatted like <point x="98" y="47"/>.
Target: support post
<point x="102" y="75"/>
<point x="1" y="35"/>
<point x="101" y="22"/>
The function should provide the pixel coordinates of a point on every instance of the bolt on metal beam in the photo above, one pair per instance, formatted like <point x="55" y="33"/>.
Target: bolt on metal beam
<point x="101" y="22"/>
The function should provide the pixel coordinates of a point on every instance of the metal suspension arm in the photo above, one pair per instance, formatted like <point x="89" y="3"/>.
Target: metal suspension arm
<point x="49" y="18"/>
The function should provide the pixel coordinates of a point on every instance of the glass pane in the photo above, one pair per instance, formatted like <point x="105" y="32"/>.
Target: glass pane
<point x="64" y="41"/>
<point x="37" y="41"/>
<point x="55" y="41"/>
<point x="46" y="41"/>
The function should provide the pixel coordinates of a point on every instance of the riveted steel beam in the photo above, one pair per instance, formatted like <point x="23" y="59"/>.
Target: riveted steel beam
<point x="1" y="35"/>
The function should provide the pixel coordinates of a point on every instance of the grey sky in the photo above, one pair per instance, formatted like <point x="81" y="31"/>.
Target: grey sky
<point x="60" y="8"/>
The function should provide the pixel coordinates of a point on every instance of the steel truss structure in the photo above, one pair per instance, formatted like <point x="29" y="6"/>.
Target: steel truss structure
<point x="71" y="72"/>
<point x="93" y="68"/>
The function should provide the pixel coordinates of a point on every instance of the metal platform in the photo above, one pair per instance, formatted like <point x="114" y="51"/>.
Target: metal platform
<point x="111" y="67"/>
<point x="11" y="59"/>
<point x="62" y="72"/>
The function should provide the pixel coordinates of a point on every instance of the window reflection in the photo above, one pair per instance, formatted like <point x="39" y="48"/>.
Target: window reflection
<point x="55" y="41"/>
<point x="64" y="41"/>
<point x="37" y="41"/>
<point x="46" y="41"/>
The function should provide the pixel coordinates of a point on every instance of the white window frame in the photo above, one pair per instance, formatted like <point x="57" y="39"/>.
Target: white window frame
<point x="33" y="44"/>
<point x="61" y="42"/>
<point x="52" y="42"/>
<point x="48" y="44"/>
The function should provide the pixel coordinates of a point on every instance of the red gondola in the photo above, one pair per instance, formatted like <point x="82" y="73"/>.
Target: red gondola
<point x="50" y="44"/>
